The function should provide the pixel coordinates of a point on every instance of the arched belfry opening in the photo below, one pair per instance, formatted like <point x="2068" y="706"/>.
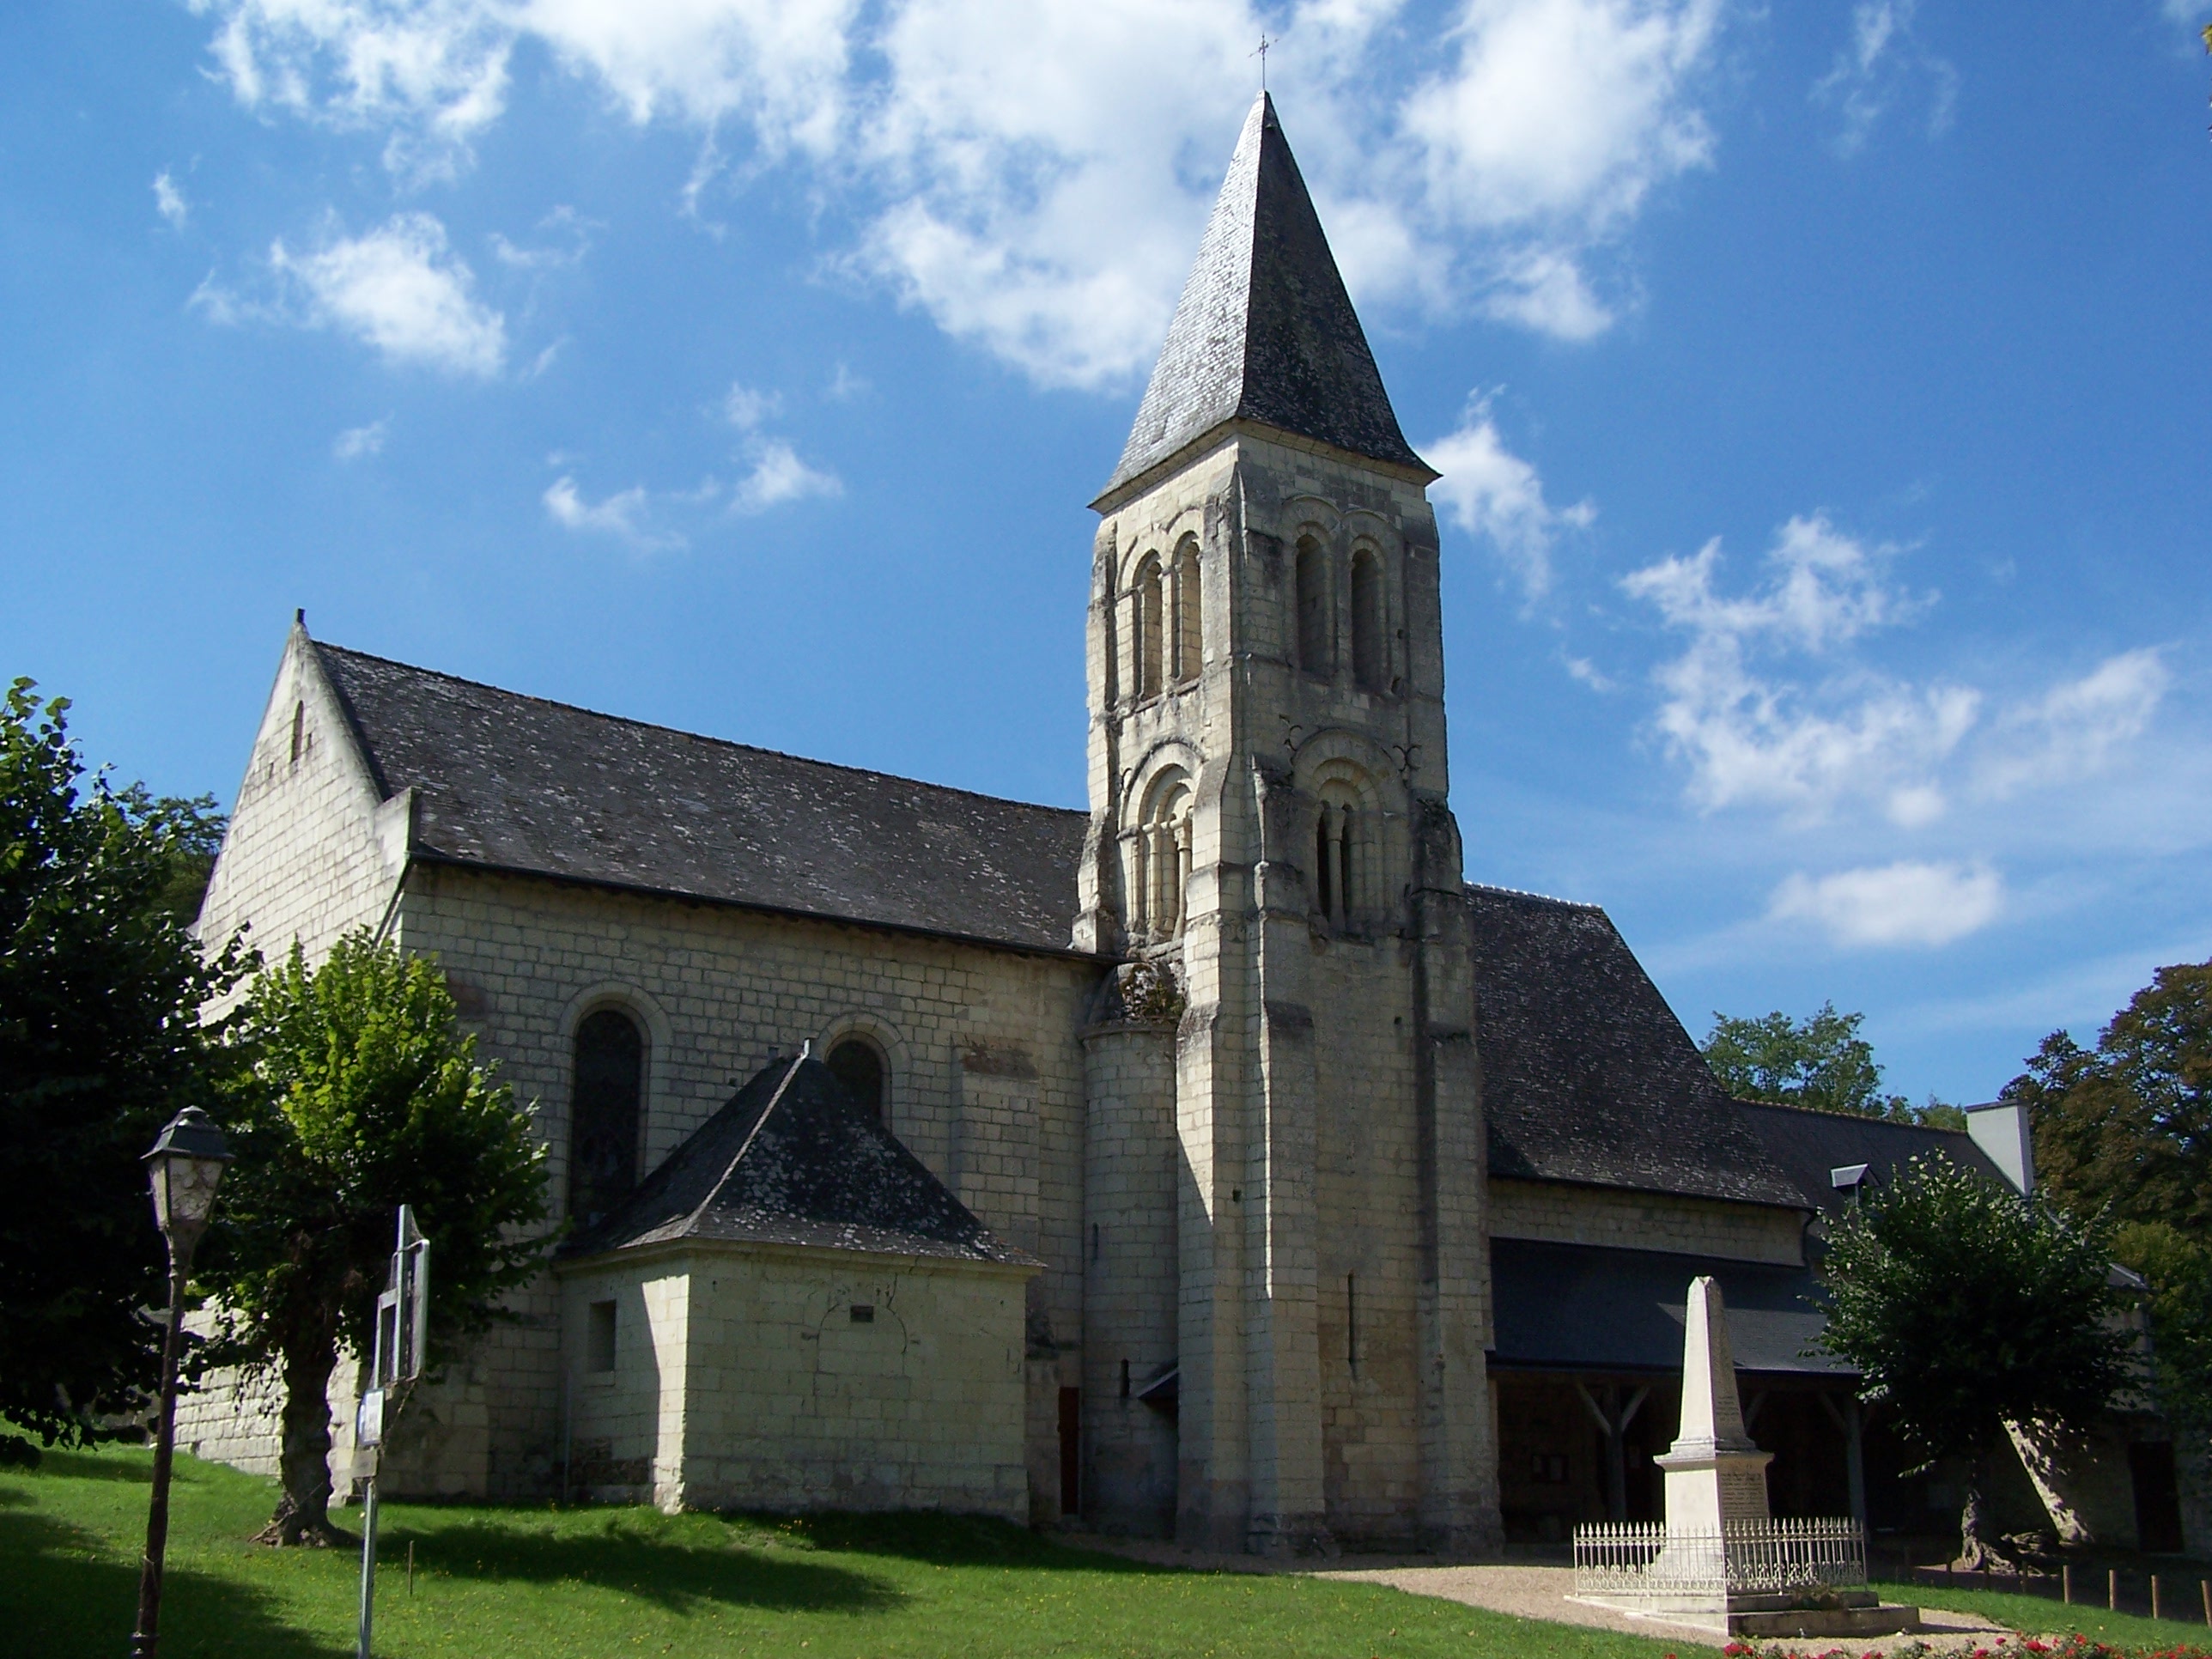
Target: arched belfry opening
<point x="1317" y="610"/>
<point x="1160" y="860"/>
<point x="1370" y="653"/>
<point x="1189" y="632"/>
<point x="1150" y="627"/>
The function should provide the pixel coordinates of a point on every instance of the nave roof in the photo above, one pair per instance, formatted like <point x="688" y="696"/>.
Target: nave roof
<point x="516" y="783"/>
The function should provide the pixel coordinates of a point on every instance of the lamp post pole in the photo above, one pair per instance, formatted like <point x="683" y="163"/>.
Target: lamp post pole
<point x="184" y="1168"/>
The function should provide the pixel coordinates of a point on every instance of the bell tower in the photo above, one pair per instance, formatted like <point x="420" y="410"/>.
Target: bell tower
<point x="1270" y="825"/>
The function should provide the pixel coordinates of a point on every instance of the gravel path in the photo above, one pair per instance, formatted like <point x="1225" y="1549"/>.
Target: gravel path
<point x="1521" y="1591"/>
<point x="1533" y="1592"/>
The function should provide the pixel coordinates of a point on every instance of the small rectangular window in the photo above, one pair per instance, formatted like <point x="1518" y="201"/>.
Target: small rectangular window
<point x="863" y="1314"/>
<point x="599" y="1338"/>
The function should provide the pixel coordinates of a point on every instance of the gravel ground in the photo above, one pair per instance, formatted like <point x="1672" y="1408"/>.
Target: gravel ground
<point x="1521" y="1590"/>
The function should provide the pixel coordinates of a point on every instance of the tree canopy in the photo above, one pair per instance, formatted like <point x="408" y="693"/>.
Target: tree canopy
<point x="1965" y="1306"/>
<point x="359" y="1094"/>
<point x="2124" y="1131"/>
<point x="1820" y="1061"/>
<point x="101" y="986"/>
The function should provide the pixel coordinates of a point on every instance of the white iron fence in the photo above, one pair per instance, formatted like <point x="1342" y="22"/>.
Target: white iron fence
<point x="1762" y="1557"/>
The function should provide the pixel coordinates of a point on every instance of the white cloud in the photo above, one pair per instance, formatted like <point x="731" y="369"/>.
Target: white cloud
<point x="356" y="441"/>
<point x="745" y="409"/>
<point x="398" y="287"/>
<point x="1583" y="669"/>
<point x="1545" y="289"/>
<point x="1032" y="174"/>
<point x="774" y="476"/>
<point x="1754" y="738"/>
<point x="564" y="225"/>
<point x="778" y="476"/>
<point x="621" y="515"/>
<point x="1563" y="108"/>
<point x="169" y="200"/>
<point x="1491" y="492"/>
<point x="1875" y="68"/>
<point x="2076" y="729"/>
<point x="1892" y="904"/>
<point x="1770" y="705"/>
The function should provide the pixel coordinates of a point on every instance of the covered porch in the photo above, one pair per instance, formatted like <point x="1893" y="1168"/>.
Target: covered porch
<point x="1586" y="1378"/>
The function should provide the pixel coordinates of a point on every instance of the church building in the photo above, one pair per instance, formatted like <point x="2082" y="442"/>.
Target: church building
<point x="1218" y="1162"/>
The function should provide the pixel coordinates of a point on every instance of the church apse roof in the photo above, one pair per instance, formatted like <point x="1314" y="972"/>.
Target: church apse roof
<point x="1265" y="331"/>
<point x="514" y="783"/>
<point x="792" y="1159"/>
<point x="1587" y="1075"/>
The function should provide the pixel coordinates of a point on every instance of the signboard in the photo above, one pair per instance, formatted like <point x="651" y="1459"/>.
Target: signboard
<point x="403" y="1312"/>
<point x="369" y="1420"/>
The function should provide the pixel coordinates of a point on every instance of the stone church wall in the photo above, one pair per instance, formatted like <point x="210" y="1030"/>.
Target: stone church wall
<point x="1367" y="1181"/>
<point x="757" y="1377"/>
<point x="1132" y="1176"/>
<point x="311" y="849"/>
<point x="986" y="1082"/>
<point x="1558" y="1213"/>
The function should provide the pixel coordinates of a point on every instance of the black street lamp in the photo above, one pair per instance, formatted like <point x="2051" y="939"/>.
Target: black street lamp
<point x="184" y="1167"/>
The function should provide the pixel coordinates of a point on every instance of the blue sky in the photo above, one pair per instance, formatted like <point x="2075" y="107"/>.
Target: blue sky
<point x="1819" y="391"/>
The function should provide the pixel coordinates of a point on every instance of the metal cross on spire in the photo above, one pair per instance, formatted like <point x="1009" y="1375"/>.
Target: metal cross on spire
<point x="1262" y="54"/>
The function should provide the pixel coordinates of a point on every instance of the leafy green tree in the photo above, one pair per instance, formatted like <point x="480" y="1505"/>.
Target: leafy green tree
<point x="2129" y="1123"/>
<point x="360" y="1094"/>
<point x="1965" y="1306"/>
<point x="101" y="986"/>
<point x="2180" y="1272"/>
<point x="2124" y="1129"/>
<point x="1819" y="1061"/>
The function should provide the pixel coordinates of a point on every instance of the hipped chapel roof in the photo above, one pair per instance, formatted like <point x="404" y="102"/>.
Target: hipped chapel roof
<point x="1811" y="1146"/>
<point x="1265" y="331"/>
<point x="793" y="1160"/>
<point x="1587" y="1075"/>
<point x="515" y="783"/>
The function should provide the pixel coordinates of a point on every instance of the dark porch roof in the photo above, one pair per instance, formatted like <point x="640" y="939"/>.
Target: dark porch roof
<point x="1576" y="1307"/>
<point x="793" y="1160"/>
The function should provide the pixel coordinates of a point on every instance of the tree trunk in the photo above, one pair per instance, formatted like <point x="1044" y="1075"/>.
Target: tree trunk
<point x="303" y="1510"/>
<point x="1975" y="1555"/>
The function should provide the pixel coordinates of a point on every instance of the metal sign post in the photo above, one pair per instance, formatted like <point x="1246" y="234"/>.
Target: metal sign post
<point x="402" y="1323"/>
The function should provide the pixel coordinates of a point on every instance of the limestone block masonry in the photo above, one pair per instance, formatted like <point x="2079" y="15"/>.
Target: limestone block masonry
<point x="1332" y="1297"/>
<point x="1558" y="1213"/>
<point x="797" y="1379"/>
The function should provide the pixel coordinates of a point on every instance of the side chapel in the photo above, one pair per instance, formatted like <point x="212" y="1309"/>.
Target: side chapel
<point x="1216" y="1163"/>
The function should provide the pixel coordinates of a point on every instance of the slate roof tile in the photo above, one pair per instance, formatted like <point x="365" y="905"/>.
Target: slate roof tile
<point x="792" y="1159"/>
<point x="1810" y="1144"/>
<point x="1265" y="331"/>
<point x="518" y="783"/>
<point x="1587" y="1075"/>
<point x="1565" y="1307"/>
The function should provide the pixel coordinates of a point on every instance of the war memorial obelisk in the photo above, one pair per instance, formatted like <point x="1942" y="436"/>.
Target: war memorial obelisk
<point x="1721" y="1562"/>
<point x="1715" y="1476"/>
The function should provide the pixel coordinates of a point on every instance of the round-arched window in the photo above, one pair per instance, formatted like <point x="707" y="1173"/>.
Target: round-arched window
<point x="858" y="1065"/>
<point x="603" y="1123"/>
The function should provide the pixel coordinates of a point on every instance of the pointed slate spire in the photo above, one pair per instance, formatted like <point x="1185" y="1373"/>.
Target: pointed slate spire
<point x="1265" y="331"/>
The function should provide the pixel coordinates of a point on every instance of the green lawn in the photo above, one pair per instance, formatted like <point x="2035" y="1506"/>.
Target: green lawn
<point x="2040" y="1616"/>
<point x="599" y="1582"/>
